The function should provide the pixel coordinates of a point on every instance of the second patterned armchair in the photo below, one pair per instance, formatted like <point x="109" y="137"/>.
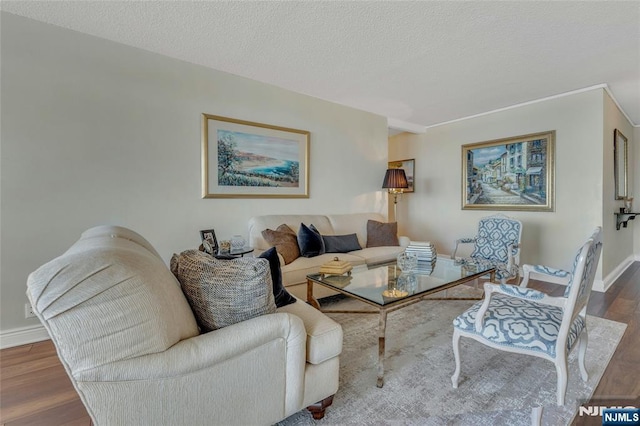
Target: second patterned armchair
<point x="497" y="244"/>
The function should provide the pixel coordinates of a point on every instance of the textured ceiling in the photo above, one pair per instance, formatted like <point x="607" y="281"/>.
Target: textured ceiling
<point x="418" y="62"/>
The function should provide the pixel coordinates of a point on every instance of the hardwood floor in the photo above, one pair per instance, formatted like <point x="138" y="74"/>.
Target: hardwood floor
<point x="35" y="390"/>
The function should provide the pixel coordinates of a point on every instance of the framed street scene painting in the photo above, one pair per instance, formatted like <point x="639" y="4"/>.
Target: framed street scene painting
<point x="253" y="160"/>
<point x="409" y="170"/>
<point x="510" y="174"/>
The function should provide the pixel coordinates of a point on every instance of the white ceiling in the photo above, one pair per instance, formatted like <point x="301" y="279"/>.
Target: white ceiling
<point x="418" y="63"/>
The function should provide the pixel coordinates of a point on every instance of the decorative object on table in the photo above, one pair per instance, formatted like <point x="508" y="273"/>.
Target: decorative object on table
<point x="225" y="246"/>
<point x="209" y="241"/>
<point x="237" y="242"/>
<point x="620" y="165"/>
<point x="336" y="267"/>
<point x="510" y="174"/>
<point x="497" y="244"/>
<point x="549" y="327"/>
<point x="395" y="182"/>
<point x="425" y="253"/>
<point x="407" y="281"/>
<point x="409" y="171"/>
<point x="394" y="293"/>
<point x="407" y="261"/>
<point x="253" y="160"/>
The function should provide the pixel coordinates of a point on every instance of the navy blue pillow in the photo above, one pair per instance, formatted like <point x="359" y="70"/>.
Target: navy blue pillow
<point x="341" y="243"/>
<point x="310" y="241"/>
<point x="280" y="294"/>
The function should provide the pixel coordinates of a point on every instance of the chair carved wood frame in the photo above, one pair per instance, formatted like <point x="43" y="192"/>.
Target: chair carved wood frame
<point x="526" y="321"/>
<point x="497" y="244"/>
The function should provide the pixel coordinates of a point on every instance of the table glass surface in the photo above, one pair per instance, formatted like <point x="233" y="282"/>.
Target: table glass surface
<point x="385" y="284"/>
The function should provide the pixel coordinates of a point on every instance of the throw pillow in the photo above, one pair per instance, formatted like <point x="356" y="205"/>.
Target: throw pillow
<point x="341" y="243"/>
<point x="381" y="234"/>
<point x="285" y="241"/>
<point x="280" y="294"/>
<point x="310" y="241"/>
<point x="224" y="292"/>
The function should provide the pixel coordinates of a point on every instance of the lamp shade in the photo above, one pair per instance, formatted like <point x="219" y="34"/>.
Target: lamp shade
<point x="395" y="179"/>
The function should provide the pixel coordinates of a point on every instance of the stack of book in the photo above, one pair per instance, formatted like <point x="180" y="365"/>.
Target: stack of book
<point x="426" y="254"/>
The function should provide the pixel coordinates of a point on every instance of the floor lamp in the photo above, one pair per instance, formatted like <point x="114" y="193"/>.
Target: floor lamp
<point x="395" y="181"/>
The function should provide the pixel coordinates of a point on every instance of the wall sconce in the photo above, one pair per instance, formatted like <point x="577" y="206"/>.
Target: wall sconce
<point x="395" y="181"/>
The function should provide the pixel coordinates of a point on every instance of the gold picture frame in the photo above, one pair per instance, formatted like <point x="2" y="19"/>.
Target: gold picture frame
<point x="243" y="159"/>
<point x="516" y="173"/>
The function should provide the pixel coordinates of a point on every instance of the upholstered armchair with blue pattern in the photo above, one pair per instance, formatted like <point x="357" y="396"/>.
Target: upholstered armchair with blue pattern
<point x="527" y="321"/>
<point x="496" y="245"/>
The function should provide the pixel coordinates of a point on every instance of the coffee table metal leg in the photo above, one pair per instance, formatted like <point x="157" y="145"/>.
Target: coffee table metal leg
<point x="382" y="325"/>
<point x="310" y="299"/>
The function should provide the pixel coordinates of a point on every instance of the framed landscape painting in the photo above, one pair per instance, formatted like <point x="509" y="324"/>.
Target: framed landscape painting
<point x="510" y="174"/>
<point x="409" y="170"/>
<point x="245" y="159"/>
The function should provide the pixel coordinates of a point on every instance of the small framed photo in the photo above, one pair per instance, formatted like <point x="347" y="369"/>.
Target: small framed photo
<point x="209" y="236"/>
<point x="409" y="167"/>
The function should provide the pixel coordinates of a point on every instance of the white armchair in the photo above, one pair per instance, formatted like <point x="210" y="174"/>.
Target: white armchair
<point x="527" y="321"/>
<point x="497" y="245"/>
<point x="130" y="344"/>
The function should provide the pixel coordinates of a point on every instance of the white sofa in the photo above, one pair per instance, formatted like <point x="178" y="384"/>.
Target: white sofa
<point x="130" y="344"/>
<point x="294" y="274"/>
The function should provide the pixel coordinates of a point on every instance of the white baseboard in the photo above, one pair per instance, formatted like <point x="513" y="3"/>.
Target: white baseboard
<point x="604" y="284"/>
<point x="23" y="336"/>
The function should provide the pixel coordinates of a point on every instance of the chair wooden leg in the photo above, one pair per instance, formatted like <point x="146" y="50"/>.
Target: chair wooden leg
<point x="456" y="355"/>
<point x="317" y="409"/>
<point x="536" y="416"/>
<point x="561" y="370"/>
<point x="584" y="338"/>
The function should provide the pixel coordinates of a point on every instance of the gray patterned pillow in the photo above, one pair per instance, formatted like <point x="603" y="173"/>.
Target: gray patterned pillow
<point x="222" y="292"/>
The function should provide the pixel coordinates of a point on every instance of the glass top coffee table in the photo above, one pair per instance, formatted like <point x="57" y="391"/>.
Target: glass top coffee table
<point x="386" y="288"/>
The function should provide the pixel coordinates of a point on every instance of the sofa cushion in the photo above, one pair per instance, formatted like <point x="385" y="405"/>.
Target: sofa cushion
<point x="340" y="243"/>
<point x="353" y="222"/>
<point x="373" y="255"/>
<point x="280" y="295"/>
<point x="259" y="223"/>
<point x="224" y="292"/>
<point x="324" y="335"/>
<point x="285" y="241"/>
<point x="381" y="234"/>
<point x="310" y="241"/>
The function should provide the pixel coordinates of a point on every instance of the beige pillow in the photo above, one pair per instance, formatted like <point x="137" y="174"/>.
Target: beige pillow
<point x="285" y="241"/>
<point x="222" y="292"/>
<point x="381" y="234"/>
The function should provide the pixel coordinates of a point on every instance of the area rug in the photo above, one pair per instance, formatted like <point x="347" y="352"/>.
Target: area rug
<point x="496" y="388"/>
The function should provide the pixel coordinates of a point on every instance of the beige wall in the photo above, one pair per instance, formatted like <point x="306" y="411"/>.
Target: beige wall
<point x="434" y="211"/>
<point x="617" y="244"/>
<point x="94" y="132"/>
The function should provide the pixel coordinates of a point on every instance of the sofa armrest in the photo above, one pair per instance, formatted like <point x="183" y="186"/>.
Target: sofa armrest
<point x="248" y="373"/>
<point x="205" y="350"/>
